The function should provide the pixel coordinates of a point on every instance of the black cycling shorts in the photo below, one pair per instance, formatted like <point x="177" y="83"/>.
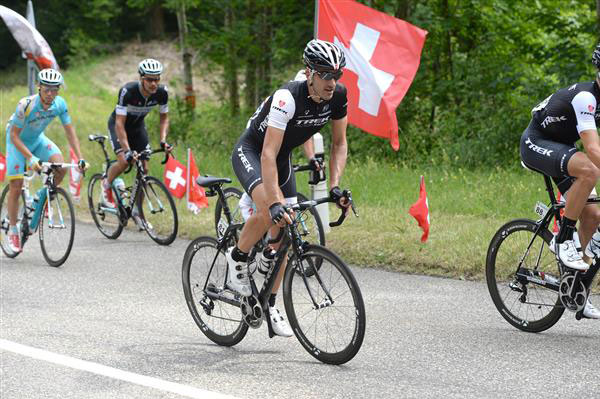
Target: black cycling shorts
<point x="546" y="156"/>
<point x="137" y="139"/>
<point x="245" y="160"/>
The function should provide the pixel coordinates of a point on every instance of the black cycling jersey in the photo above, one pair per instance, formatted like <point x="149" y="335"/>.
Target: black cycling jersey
<point x="135" y="106"/>
<point x="293" y="111"/>
<point x="568" y="112"/>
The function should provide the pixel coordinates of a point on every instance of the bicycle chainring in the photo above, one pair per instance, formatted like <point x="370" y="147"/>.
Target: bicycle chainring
<point x="252" y="312"/>
<point x="572" y="298"/>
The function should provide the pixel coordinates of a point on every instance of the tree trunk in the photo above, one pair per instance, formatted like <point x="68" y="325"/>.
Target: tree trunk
<point x="190" y="97"/>
<point x="264" y="74"/>
<point x="231" y="65"/>
<point x="156" y="27"/>
<point x="405" y="9"/>
<point x="250" y="93"/>
<point x="598" y="15"/>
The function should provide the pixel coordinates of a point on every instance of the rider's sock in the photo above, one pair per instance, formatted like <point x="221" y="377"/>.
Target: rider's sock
<point x="238" y="255"/>
<point x="272" y="300"/>
<point x="567" y="227"/>
<point x="14" y="229"/>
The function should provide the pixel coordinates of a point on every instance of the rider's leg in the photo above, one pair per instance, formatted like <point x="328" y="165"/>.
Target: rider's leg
<point x="60" y="173"/>
<point x="258" y="224"/>
<point x="588" y="223"/>
<point x="12" y="204"/>
<point x="117" y="168"/>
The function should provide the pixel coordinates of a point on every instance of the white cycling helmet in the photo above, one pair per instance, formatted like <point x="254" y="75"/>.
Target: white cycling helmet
<point x="50" y="77"/>
<point x="150" y="66"/>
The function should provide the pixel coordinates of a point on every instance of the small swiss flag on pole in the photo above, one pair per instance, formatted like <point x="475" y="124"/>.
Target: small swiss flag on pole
<point x="196" y="198"/>
<point x="2" y="167"/>
<point x="420" y="211"/>
<point x="175" y="177"/>
<point x="382" y="57"/>
<point x="75" y="178"/>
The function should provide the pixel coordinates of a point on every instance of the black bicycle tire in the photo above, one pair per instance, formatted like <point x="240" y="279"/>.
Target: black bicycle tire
<point x="59" y="262"/>
<point x="2" y="199"/>
<point x="501" y="235"/>
<point x="355" y="343"/>
<point x="222" y="340"/>
<point x="97" y="179"/>
<point x="227" y="192"/>
<point x="173" y="235"/>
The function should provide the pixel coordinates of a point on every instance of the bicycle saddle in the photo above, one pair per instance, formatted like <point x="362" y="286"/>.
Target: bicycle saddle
<point x="209" y="181"/>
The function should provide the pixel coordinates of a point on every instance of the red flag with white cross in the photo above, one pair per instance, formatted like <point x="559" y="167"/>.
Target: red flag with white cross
<point x="75" y="178"/>
<point x="420" y="211"/>
<point x="175" y="177"/>
<point x="2" y="167"/>
<point x="196" y="197"/>
<point x="382" y="57"/>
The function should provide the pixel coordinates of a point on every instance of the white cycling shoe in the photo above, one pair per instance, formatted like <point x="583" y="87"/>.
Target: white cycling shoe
<point x="237" y="277"/>
<point x="279" y="323"/>
<point x="567" y="253"/>
<point x="592" y="250"/>
<point x="590" y="311"/>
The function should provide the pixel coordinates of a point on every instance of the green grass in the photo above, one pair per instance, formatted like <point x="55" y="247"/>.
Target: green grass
<point x="466" y="206"/>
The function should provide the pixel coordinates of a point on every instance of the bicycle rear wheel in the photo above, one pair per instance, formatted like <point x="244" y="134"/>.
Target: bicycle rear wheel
<point x="57" y="228"/>
<point x="333" y="332"/>
<point x="106" y="219"/>
<point x="232" y="196"/>
<point x="157" y="210"/>
<point x="4" y="222"/>
<point x="528" y="306"/>
<point x="220" y="321"/>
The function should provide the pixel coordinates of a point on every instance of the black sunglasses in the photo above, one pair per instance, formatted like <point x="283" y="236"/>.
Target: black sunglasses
<point x="152" y="79"/>
<point x="328" y="75"/>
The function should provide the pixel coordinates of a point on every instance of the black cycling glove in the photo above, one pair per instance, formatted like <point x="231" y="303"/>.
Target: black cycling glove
<point x="82" y="164"/>
<point x="128" y="155"/>
<point x="316" y="163"/>
<point x="276" y="211"/>
<point x="165" y="146"/>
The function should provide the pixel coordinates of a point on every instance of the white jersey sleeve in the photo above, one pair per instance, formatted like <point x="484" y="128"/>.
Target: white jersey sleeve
<point x="282" y="109"/>
<point x="584" y="105"/>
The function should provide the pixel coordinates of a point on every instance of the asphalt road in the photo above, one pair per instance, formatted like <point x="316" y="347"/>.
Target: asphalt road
<point x="114" y="315"/>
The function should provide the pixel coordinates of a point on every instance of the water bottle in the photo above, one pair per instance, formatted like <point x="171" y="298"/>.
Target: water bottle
<point x="28" y="199"/>
<point x="119" y="186"/>
<point x="246" y="206"/>
<point x="266" y="260"/>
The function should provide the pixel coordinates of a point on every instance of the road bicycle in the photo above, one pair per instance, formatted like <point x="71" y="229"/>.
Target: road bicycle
<point x="310" y="224"/>
<point x="324" y="305"/>
<point x="50" y="212"/>
<point x="155" y="206"/>
<point x="530" y="288"/>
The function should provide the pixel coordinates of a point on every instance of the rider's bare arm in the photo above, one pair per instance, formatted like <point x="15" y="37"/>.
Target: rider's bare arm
<point x="73" y="140"/>
<point x="120" y="130"/>
<point x="15" y="137"/>
<point x="339" y="150"/>
<point x="591" y="145"/>
<point x="309" y="148"/>
<point x="271" y="145"/>
<point x="163" y="125"/>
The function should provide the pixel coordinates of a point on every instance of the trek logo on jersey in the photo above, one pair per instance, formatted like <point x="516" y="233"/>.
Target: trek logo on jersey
<point x="279" y="109"/>
<point x="244" y="160"/>
<point x="312" y="122"/>
<point x="538" y="149"/>
<point x="552" y="119"/>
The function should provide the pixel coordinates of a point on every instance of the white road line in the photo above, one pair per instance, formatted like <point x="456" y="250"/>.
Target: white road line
<point x="111" y="372"/>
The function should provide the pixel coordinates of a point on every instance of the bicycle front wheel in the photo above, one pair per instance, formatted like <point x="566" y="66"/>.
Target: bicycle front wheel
<point x="528" y="306"/>
<point x="158" y="212"/>
<point x="325" y="309"/>
<point x="232" y="197"/>
<point x="204" y="274"/>
<point x="57" y="228"/>
<point x="4" y="222"/>
<point x="107" y="219"/>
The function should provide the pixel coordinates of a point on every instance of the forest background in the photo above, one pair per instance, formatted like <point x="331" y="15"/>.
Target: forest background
<point x="485" y="64"/>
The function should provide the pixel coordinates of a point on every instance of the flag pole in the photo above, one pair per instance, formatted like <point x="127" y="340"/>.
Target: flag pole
<point x="187" y="188"/>
<point x="316" y="27"/>
<point x="30" y="65"/>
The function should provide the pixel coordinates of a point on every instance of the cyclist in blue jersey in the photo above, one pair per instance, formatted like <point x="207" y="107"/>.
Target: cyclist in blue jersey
<point x="128" y="135"/>
<point x="27" y="145"/>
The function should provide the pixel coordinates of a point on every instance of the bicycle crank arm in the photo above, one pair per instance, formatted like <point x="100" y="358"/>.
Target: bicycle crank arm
<point x="223" y="295"/>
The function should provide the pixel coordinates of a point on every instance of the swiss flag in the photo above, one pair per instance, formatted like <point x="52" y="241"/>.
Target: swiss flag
<point x="75" y="178"/>
<point x="420" y="211"/>
<point x="196" y="198"/>
<point x="382" y="57"/>
<point x="174" y="177"/>
<point x="2" y="167"/>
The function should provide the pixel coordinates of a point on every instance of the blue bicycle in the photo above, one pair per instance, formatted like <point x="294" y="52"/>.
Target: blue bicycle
<point x="50" y="212"/>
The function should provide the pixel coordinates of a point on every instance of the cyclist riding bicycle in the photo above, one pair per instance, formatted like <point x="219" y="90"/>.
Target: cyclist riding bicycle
<point x="262" y="161"/>
<point x="126" y="125"/>
<point x="548" y="146"/>
<point x="27" y="145"/>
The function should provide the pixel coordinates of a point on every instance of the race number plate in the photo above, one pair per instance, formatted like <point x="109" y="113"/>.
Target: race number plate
<point x="541" y="209"/>
<point x="222" y="227"/>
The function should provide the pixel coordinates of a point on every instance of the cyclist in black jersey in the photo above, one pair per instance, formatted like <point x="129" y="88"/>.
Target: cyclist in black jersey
<point x="128" y="134"/>
<point x="548" y="146"/>
<point x="262" y="156"/>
